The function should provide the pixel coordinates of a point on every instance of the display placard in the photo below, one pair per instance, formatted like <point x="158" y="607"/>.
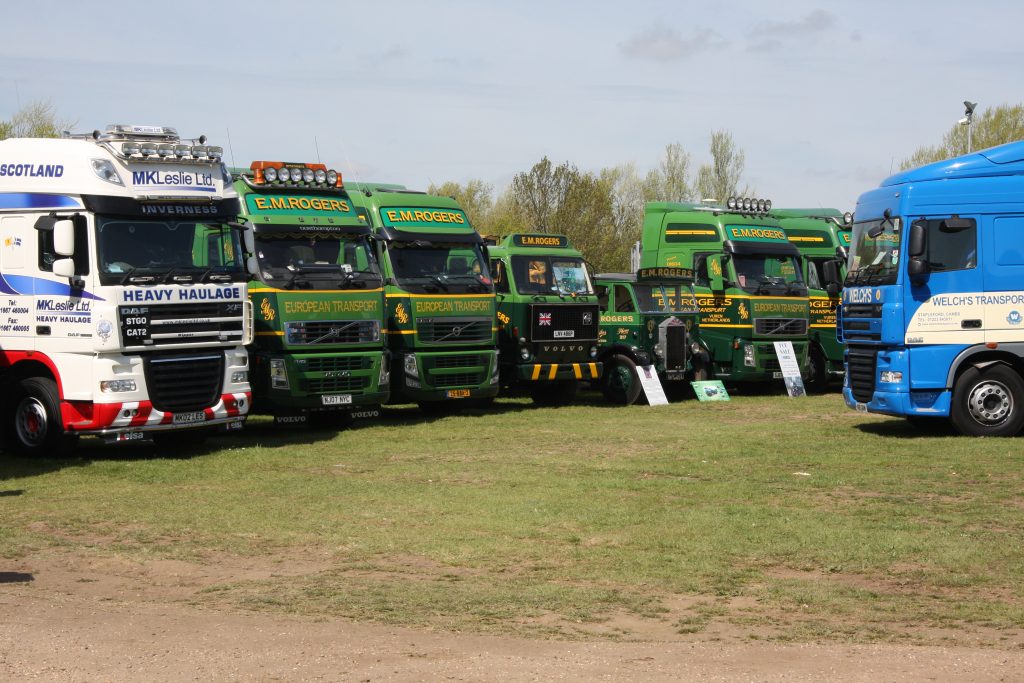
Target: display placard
<point x="710" y="390"/>
<point x="790" y="368"/>
<point x="652" y="385"/>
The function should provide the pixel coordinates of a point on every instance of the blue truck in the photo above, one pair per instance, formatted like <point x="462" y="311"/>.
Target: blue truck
<point x="933" y="301"/>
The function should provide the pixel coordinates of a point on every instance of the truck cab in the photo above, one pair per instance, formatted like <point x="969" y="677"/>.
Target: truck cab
<point x="748" y="280"/>
<point x="439" y="297"/>
<point x="547" y="316"/>
<point x="318" y="351"/>
<point x="823" y="238"/>
<point x="649" y="317"/>
<point x="123" y="290"/>
<point x="933" y="303"/>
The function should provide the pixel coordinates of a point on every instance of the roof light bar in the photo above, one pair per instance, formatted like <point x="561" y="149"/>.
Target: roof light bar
<point x="749" y="205"/>
<point x="287" y="174"/>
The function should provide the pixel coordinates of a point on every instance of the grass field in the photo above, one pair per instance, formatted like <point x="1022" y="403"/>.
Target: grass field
<point x="765" y="517"/>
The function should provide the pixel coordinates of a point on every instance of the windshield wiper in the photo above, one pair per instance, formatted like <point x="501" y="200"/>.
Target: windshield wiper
<point x="439" y="279"/>
<point x="136" y="279"/>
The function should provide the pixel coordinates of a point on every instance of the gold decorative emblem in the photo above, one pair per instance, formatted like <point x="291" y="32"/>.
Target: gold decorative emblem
<point x="650" y="326"/>
<point x="268" y="312"/>
<point x="400" y="314"/>
<point x="744" y="313"/>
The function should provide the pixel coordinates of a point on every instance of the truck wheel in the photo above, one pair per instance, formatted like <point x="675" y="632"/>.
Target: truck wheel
<point x="817" y="373"/>
<point x="33" y="421"/>
<point x="558" y="393"/>
<point x="620" y="382"/>
<point x="988" y="402"/>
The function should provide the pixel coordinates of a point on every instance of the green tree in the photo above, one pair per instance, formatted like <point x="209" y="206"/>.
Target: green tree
<point x="994" y="126"/>
<point x="720" y="179"/>
<point x="670" y="182"/>
<point x="34" y="120"/>
<point x="541" y="190"/>
<point x="476" y="197"/>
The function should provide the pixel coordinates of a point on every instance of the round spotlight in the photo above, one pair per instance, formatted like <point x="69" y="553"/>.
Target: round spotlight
<point x="296" y="174"/>
<point x="308" y="175"/>
<point x="332" y="177"/>
<point x="181" y="151"/>
<point x="130" y="148"/>
<point x="199" y="151"/>
<point x="270" y="173"/>
<point x="767" y="205"/>
<point x="148" y="149"/>
<point x="745" y="202"/>
<point x="848" y="218"/>
<point x="320" y="176"/>
<point x="731" y="204"/>
<point x="761" y="206"/>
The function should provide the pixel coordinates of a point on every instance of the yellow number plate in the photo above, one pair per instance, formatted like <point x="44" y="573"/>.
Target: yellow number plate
<point x="458" y="393"/>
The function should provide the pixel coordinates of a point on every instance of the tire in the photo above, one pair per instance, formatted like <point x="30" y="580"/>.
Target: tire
<point x="32" y="420"/>
<point x="557" y="393"/>
<point x="620" y="382"/>
<point x="817" y="371"/>
<point x="988" y="402"/>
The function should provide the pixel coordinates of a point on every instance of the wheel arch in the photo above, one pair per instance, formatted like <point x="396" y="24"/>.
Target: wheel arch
<point x="617" y="349"/>
<point x="980" y="356"/>
<point x="36" y="365"/>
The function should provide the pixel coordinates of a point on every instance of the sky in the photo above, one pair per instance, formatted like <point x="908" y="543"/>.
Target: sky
<point x="825" y="99"/>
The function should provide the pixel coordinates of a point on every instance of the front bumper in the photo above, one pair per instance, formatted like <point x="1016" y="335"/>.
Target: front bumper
<point x="549" y="372"/>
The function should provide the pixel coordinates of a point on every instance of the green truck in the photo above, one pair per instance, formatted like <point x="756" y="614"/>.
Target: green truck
<point x="823" y="238"/>
<point x="749" y="285"/>
<point x="649" y="318"/>
<point x="318" y="350"/>
<point x="439" y="297"/>
<point x="548" y="317"/>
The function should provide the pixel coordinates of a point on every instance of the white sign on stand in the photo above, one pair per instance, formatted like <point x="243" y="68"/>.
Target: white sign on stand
<point x="790" y="368"/>
<point x="652" y="385"/>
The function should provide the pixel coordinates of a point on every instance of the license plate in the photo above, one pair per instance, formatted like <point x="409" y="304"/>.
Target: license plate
<point x="189" y="418"/>
<point x="776" y="375"/>
<point x="458" y="393"/>
<point x="130" y="436"/>
<point x="565" y="334"/>
<point x="336" y="399"/>
<point x="862" y="407"/>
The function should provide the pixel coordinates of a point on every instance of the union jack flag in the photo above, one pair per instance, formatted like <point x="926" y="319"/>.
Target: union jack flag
<point x="544" y="319"/>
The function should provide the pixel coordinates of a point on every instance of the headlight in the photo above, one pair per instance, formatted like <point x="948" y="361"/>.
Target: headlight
<point x="278" y="374"/>
<point x="332" y="177"/>
<point x="890" y="377"/>
<point x="270" y="174"/>
<point x="296" y="174"/>
<point x="320" y="176"/>
<point x="593" y="352"/>
<point x="113" y="386"/>
<point x="240" y="376"/>
<point x="409" y="363"/>
<point x="385" y="374"/>
<point x="308" y="175"/>
<point x="748" y="355"/>
<point x="105" y="170"/>
<point x="524" y="353"/>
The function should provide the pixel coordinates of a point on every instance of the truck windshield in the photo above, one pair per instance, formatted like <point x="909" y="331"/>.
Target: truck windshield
<point x="769" y="274"/>
<point x="143" y="250"/>
<point x="875" y="255"/>
<point x="666" y="298"/>
<point x="324" y="260"/>
<point x="544" y="274"/>
<point x="436" y="267"/>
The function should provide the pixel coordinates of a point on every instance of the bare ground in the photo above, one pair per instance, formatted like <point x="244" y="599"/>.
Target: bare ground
<point x="75" y="617"/>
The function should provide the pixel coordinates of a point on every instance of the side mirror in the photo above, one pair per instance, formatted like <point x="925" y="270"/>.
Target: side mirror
<point x="252" y="265"/>
<point x="832" y="289"/>
<point x="64" y="267"/>
<point x="64" y="237"/>
<point x="917" y="243"/>
<point x="830" y="271"/>
<point x="715" y="273"/>
<point x="249" y="239"/>
<point x="918" y="270"/>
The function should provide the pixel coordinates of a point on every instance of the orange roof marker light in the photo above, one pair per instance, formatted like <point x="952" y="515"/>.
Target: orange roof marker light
<point x="288" y="174"/>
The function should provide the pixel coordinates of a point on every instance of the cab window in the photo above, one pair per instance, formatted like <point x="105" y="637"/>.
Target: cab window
<point x="602" y="296"/>
<point x="500" y="276"/>
<point x="623" y="300"/>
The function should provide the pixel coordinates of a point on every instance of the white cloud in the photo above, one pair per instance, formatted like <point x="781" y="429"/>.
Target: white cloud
<point x="663" y="44"/>
<point x="770" y="36"/>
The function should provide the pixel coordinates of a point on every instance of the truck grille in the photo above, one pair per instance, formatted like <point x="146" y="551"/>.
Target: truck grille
<point x="334" y="385"/>
<point x="337" y="364"/>
<point x="861" y="363"/>
<point x="148" y="326"/>
<point x="674" y="348"/>
<point x="555" y="322"/>
<point x="454" y="330"/>
<point x="780" y="327"/>
<point x="459" y="361"/>
<point x="462" y="379"/>
<point x="332" y="332"/>
<point x="183" y="383"/>
<point x="862" y="310"/>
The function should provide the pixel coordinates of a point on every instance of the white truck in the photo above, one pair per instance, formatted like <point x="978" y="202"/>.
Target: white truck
<point x="123" y="303"/>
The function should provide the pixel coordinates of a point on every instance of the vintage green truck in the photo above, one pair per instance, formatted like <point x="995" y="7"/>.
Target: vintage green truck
<point x="823" y="238"/>
<point x="318" y="351"/>
<point x="748" y="280"/>
<point x="649" y="318"/>
<point x="439" y="297"/>
<point x="547" y="316"/>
